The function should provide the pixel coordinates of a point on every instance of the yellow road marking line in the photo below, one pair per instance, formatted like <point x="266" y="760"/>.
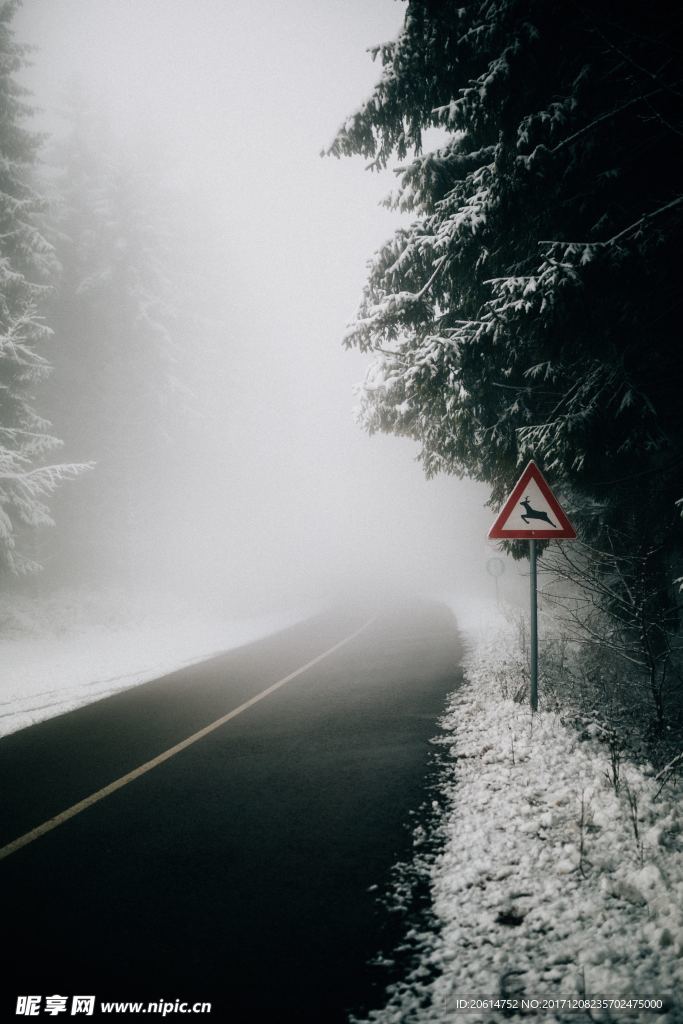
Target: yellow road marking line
<point x="142" y="769"/>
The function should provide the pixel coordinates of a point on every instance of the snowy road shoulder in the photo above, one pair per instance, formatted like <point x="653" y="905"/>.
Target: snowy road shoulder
<point x="549" y="882"/>
<point x="99" y="646"/>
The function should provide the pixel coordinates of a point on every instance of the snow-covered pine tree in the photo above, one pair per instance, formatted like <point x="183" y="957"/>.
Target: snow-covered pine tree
<point x="26" y="268"/>
<point x="531" y="305"/>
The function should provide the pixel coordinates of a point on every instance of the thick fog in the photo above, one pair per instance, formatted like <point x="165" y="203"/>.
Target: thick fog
<point x="272" y="493"/>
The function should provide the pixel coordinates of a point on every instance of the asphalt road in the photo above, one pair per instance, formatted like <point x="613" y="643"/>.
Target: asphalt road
<point x="238" y="871"/>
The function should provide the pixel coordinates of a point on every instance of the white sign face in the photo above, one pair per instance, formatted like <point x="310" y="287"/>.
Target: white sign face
<point x="532" y="511"/>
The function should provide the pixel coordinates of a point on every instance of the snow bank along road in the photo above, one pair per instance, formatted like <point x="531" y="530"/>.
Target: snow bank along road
<point x="237" y="870"/>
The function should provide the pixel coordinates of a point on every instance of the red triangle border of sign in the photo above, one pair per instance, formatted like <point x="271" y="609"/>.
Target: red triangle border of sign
<point x="498" y="531"/>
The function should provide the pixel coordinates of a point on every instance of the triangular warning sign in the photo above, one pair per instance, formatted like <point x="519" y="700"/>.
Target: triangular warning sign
<point x="532" y="512"/>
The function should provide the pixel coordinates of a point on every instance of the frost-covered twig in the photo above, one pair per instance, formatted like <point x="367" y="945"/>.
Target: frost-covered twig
<point x="645" y="217"/>
<point x="604" y="117"/>
<point x="668" y="771"/>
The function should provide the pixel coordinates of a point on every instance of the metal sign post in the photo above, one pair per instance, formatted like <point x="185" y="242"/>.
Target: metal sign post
<point x="534" y="626"/>
<point x="518" y="520"/>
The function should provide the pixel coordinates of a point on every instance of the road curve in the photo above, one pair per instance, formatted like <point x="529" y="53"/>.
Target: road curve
<point x="237" y="870"/>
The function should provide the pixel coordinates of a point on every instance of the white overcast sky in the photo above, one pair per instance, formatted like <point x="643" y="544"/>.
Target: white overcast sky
<point x="237" y="98"/>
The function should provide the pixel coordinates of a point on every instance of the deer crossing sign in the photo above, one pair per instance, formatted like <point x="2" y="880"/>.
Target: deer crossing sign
<point x="532" y="512"/>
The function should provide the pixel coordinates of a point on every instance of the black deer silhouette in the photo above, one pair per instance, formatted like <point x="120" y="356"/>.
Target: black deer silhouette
<point x="532" y="513"/>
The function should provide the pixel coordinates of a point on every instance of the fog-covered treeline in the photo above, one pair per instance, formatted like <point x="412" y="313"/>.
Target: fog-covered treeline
<point x="192" y="263"/>
<point x="113" y="347"/>
<point x="112" y="309"/>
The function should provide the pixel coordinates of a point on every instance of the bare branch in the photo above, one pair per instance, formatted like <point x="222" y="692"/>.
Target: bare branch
<point x="646" y="217"/>
<point x="605" y="117"/>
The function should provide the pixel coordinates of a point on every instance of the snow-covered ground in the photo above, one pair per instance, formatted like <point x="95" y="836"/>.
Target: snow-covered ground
<point x="57" y="654"/>
<point x="548" y="884"/>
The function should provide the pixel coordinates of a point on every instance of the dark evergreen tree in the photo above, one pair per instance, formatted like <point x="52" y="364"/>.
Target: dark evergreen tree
<point x="532" y="306"/>
<point x="26" y="269"/>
